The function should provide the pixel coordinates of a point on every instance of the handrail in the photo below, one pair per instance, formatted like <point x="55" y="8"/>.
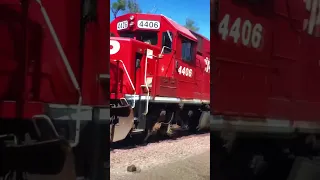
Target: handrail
<point x="146" y="85"/>
<point x="128" y="76"/>
<point x="67" y="65"/>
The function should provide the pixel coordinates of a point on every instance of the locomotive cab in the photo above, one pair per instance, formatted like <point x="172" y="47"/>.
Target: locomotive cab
<point x="156" y="30"/>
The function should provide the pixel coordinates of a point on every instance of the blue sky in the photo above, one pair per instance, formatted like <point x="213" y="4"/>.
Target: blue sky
<point x="179" y="10"/>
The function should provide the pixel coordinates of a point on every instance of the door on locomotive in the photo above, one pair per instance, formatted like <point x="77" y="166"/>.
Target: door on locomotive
<point x="185" y="65"/>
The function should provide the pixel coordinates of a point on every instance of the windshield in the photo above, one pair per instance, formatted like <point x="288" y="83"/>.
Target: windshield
<point x="144" y="36"/>
<point x="127" y="34"/>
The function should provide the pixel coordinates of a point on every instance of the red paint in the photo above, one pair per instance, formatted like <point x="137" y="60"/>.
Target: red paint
<point x="279" y="79"/>
<point x="33" y="72"/>
<point x="167" y="81"/>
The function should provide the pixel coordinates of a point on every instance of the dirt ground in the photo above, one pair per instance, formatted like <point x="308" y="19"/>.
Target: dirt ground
<point x="186" y="158"/>
<point x="193" y="168"/>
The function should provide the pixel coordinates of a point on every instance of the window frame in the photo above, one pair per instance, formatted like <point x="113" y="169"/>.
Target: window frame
<point x="138" y="34"/>
<point x="199" y="43"/>
<point x="130" y="35"/>
<point x="193" y="50"/>
<point x="166" y="50"/>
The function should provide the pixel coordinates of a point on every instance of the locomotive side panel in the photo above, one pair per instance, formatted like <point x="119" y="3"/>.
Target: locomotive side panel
<point x="44" y="44"/>
<point x="34" y="68"/>
<point x="240" y="72"/>
<point x="36" y="57"/>
<point x="184" y="71"/>
<point x="52" y="73"/>
<point x="266" y="62"/>
<point x="12" y="59"/>
<point x="96" y="56"/>
<point x="203" y="68"/>
<point x="264" y="91"/>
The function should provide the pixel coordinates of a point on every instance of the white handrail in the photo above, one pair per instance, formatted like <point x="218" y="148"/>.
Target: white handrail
<point x="146" y="85"/>
<point x="68" y="67"/>
<point x="132" y="86"/>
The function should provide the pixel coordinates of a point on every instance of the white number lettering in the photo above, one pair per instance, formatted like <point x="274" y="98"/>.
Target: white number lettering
<point x="185" y="71"/>
<point x="114" y="47"/>
<point x="188" y="72"/>
<point x="223" y="27"/>
<point x="247" y="32"/>
<point x="256" y="35"/>
<point x="235" y="30"/>
<point x="312" y="6"/>
<point x="145" y="24"/>
<point x="207" y="61"/>
<point x="122" y="25"/>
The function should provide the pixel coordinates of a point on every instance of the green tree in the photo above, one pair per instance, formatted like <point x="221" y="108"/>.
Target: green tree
<point x="191" y="24"/>
<point x="129" y="6"/>
<point x="119" y="5"/>
<point x="133" y="6"/>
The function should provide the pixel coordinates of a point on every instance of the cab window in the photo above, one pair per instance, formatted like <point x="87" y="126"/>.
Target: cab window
<point x="199" y="44"/>
<point x="167" y="41"/>
<point x="148" y="37"/>
<point x="127" y="34"/>
<point x="187" y="49"/>
<point x="144" y="36"/>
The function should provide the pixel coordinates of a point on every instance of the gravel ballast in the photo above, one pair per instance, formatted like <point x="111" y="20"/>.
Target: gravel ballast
<point x="155" y="156"/>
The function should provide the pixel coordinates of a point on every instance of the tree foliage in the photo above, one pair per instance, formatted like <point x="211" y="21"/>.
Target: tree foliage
<point x="119" y="5"/>
<point x="129" y="6"/>
<point x="133" y="7"/>
<point x="191" y="24"/>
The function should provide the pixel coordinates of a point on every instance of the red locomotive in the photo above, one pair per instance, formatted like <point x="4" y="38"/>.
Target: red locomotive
<point x="162" y="70"/>
<point x="54" y="83"/>
<point x="265" y="91"/>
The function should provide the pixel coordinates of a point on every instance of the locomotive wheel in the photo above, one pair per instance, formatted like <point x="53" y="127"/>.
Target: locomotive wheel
<point x="169" y="121"/>
<point x="194" y="119"/>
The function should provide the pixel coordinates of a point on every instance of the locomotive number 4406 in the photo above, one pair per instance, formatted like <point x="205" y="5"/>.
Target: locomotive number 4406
<point x="250" y="34"/>
<point x="185" y="71"/>
<point x="146" y="24"/>
<point x="122" y="25"/>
